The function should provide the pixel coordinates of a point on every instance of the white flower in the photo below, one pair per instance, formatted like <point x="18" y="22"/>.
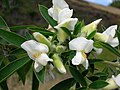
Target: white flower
<point x="82" y="46"/>
<point x="67" y="23"/>
<point x="108" y="36"/>
<point x="60" y="10"/>
<point x="88" y="29"/>
<point x="37" y="51"/>
<point x="113" y="83"/>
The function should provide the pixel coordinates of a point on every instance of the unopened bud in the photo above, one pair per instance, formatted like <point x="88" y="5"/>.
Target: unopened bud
<point x="41" y="38"/>
<point x="58" y="63"/>
<point x="88" y="29"/>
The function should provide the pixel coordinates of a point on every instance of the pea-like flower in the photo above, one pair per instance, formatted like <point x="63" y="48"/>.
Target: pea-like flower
<point x="113" y="83"/>
<point x="60" y="10"/>
<point x="108" y="36"/>
<point x="82" y="46"/>
<point x="37" y="52"/>
<point x="67" y="23"/>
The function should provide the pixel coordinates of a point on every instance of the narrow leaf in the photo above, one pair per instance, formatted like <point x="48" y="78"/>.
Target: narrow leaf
<point x="42" y="31"/>
<point x="40" y="75"/>
<point x="12" y="38"/>
<point x="91" y="35"/>
<point x="11" y="68"/>
<point x="64" y="85"/>
<point x="98" y="84"/>
<point x="44" y="12"/>
<point x="22" y="72"/>
<point x="78" y="76"/>
<point x="110" y="48"/>
<point x="35" y="82"/>
<point x="16" y="28"/>
<point x="3" y="24"/>
<point x="66" y="30"/>
<point x="78" y="27"/>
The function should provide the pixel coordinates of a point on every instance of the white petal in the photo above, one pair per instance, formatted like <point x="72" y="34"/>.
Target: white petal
<point x="43" y="59"/>
<point x="78" y="59"/>
<point x="114" y="42"/>
<point x="78" y="44"/>
<point x="85" y="64"/>
<point x="68" y="23"/>
<point x="50" y="12"/>
<point x="60" y="4"/>
<point x="64" y="14"/>
<point x="38" y="67"/>
<point x="33" y="46"/>
<point x="89" y="46"/>
<point x="117" y="79"/>
<point x="111" y="30"/>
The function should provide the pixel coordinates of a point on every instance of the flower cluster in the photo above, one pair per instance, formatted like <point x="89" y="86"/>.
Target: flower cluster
<point x="44" y="50"/>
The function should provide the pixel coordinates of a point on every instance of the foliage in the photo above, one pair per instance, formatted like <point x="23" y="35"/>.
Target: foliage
<point x="67" y="45"/>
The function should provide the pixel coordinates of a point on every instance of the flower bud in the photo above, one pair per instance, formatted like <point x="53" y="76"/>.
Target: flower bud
<point x="114" y="83"/>
<point x="88" y="29"/>
<point x="60" y="49"/>
<point x="58" y="63"/>
<point x="41" y="38"/>
<point x="101" y="37"/>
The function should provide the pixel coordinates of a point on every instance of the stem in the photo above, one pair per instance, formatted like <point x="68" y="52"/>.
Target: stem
<point x="116" y="64"/>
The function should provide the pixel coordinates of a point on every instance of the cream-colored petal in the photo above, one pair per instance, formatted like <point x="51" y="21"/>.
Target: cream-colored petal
<point x="111" y="30"/>
<point x="114" y="42"/>
<point x="78" y="59"/>
<point x="112" y="85"/>
<point x="101" y="37"/>
<point x="78" y="44"/>
<point x="68" y="23"/>
<point x="89" y="46"/>
<point x="88" y="29"/>
<point x="43" y="59"/>
<point x="117" y="79"/>
<point x="85" y="64"/>
<point x="38" y="67"/>
<point x="64" y="14"/>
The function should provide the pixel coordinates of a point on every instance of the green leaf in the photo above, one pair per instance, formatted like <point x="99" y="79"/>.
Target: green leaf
<point x="11" y="68"/>
<point x="3" y="24"/>
<point x="92" y="61"/>
<point x="28" y="36"/>
<point x="22" y="72"/>
<point x="64" y="85"/>
<point x="35" y="82"/>
<point x="6" y="4"/>
<point x="91" y="35"/>
<point x="66" y="30"/>
<point x="78" y="27"/>
<point x="44" y="12"/>
<point x="78" y="76"/>
<point x="12" y="38"/>
<point x="40" y="75"/>
<point x="15" y="28"/>
<point x="98" y="84"/>
<point x="110" y="48"/>
<point x="42" y="31"/>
